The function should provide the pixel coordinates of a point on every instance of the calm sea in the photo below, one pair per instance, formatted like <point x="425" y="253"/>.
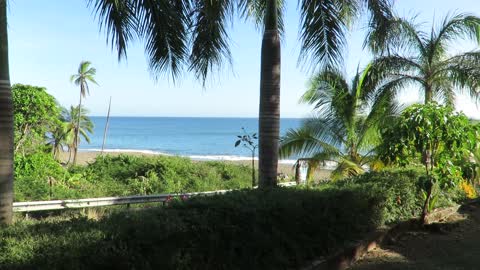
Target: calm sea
<point x="198" y="138"/>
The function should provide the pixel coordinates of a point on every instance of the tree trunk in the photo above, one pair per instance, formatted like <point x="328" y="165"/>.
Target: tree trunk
<point x="76" y="141"/>
<point x="6" y="124"/>
<point x="423" y="219"/>
<point x="269" y="118"/>
<point x="106" y="125"/>
<point x="428" y="94"/>
<point x="253" y="168"/>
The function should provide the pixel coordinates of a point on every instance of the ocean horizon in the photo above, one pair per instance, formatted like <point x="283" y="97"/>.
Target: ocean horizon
<point x="199" y="138"/>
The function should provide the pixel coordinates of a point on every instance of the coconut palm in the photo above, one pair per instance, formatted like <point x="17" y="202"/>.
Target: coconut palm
<point x="85" y="74"/>
<point x="59" y="137"/>
<point x="345" y="124"/>
<point x="421" y="58"/>
<point x="77" y="122"/>
<point x="192" y="34"/>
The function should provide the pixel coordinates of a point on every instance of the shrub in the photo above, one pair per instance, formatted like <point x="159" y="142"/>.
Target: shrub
<point x="256" y="229"/>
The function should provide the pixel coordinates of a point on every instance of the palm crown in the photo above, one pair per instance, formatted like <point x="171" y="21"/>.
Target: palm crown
<point x="419" y="58"/>
<point x="346" y="121"/>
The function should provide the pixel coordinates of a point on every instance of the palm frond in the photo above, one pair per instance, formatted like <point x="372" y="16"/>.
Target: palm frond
<point x="323" y="30"/>
<point x="210" y="37"/>
<point x="163" y="24"/>
<point x="118" y="19"/>
<point x="256" y="10"/>
<point x="453" y="27"/>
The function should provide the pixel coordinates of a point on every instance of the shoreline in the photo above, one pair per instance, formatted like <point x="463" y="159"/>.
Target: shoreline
<point x="85" y="156"/>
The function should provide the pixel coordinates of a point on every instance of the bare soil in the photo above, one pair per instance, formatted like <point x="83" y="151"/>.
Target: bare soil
<point x="453" y="245"/>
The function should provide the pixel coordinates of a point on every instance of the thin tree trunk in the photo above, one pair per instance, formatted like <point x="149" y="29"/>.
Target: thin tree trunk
<point x="253" y="168"/>
<point x="269" y="118"/>
<point x="106" y="125"/>
<point x="76" y="141"/>
<point x="6" y="124"/>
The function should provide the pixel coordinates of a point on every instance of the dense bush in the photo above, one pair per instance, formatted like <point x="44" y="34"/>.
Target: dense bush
<point x="166" y="174"/>
<point x="400" y="191"/>
<point x="122" y="175"/>
<point x="255" y="229"/>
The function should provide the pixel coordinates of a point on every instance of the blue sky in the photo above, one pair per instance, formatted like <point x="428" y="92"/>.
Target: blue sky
<point x="48" y="39"/>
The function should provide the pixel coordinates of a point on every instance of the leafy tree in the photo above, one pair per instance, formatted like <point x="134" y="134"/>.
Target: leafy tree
<point x="346" y="121"/>
<point x="77" y="121"/>
<point x="249" y="141"/>
<point x="85" y="74"/>
<point x="412" y="56"/>
<point x="35" y="113"/>
<point x="434" y="136"/>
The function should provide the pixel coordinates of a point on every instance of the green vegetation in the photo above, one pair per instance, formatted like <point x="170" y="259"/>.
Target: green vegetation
<point x="257" y="229"/>
<point x="435" y="137"/>
<point x="36" y="113"/>
<point x="346" y="122"/>
<point x="85" y="74"/>
<point x="40" y="177"/>
<point x="414" y="57"/>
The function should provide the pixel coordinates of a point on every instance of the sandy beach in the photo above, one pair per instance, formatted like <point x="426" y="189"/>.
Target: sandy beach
<point x="85" y="157"/>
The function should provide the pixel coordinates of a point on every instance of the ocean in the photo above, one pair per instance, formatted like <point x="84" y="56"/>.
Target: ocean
<point x="197" y="138"/>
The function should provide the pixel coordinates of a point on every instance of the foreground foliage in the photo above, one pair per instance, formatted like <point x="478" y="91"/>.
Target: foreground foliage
<point x="249" y="229"/>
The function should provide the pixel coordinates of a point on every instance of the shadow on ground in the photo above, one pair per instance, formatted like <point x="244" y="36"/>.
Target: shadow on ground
<point x="452" y="245"/>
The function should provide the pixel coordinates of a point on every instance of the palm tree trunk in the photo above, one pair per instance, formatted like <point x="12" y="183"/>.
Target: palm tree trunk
<point x="6" y="124"/>
<point x="428" y="94"/>
<point x="269" y="118"/>
<point x="106" y="125"/>
<point x="76" y="141"/>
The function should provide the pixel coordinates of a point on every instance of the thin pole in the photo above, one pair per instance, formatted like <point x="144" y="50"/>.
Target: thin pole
<point x="106" y="125"/>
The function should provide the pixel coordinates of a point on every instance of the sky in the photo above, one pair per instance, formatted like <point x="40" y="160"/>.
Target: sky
<point x="48" y="39"/>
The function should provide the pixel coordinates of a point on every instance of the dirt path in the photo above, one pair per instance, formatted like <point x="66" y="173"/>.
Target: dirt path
<point x="455" y="247"/>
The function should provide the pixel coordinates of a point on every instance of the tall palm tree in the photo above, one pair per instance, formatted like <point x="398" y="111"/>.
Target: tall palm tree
<point x="85" y="74"/>
<point x="6" y="124"/>
<point x="323" y="37"/>
<point x="76" y="122"/>
<point x="192" y="33"/>
<point x="346" y="121"/>
<point x="422" y="58"/>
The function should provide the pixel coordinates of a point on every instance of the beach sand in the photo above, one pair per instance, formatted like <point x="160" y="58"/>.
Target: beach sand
<point x="85" y="157"/>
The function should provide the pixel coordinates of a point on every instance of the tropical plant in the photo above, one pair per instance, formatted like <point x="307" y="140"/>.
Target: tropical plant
<point x="85" y="74"/>
<point x="345" y="124"/>
<point x="77" y="122"/>
<point x="249" y="141"/>
<point x="59" y="138"/>
<point x="415" y="57"/>
<point x="434" y="129"/>
<point x="35" y="114"/>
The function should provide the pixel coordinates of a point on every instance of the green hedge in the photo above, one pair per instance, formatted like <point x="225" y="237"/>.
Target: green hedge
<point x="254" y="229"/>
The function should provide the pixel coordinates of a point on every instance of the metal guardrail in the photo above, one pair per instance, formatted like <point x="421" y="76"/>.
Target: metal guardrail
<point x="107" y="201"/>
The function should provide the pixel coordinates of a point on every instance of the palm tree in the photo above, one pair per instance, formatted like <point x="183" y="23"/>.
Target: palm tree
<point x="323" y="37"/>
<point x="6" y="124"/>
<point x="192" y="33"/>
<point x="85" y="74"/>
<point x="421" y="58"/>
<point x="76" y="122"/>
<point x="59" y="138"/>
<point x="346" y="121"/>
